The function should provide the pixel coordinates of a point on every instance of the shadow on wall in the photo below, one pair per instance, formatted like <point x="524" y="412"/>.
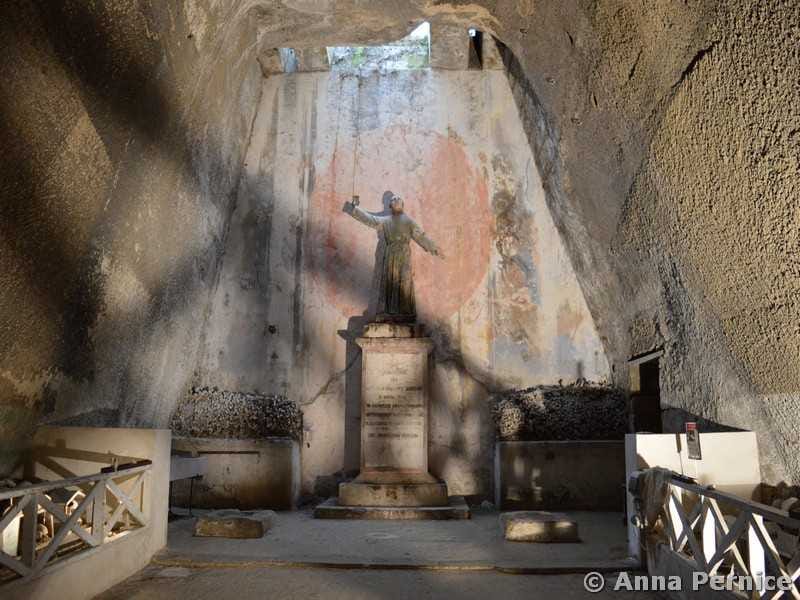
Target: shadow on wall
<point x="352" y="387"/>
<point x="449" y="454"/>
<point x="674" y="419"/>
<point x="66" y="213"/>
<point x="122" y="105"/>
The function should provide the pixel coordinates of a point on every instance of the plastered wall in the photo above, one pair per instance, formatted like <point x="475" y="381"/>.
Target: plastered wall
<point x="296" y="285"/>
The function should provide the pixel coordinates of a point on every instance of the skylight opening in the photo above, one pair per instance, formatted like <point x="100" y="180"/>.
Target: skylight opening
<point x="410" y="52"/>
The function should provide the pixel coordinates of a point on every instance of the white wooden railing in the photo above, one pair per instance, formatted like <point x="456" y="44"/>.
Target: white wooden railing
<point x="51" y="520"/>
<point x="693" y="519"/>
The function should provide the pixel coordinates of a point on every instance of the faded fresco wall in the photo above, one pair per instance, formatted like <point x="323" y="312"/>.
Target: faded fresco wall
<point x="123" y="128"/>
<point x="504" y="307"/>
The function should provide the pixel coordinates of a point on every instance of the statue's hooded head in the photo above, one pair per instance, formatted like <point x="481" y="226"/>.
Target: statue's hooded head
<point x="396" y="205"/>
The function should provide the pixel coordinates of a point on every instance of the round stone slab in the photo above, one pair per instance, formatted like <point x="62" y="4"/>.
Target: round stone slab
<point x="538" y="526"/>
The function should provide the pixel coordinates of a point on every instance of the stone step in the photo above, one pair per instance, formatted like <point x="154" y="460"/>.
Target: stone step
<point x="355" y="493"/>
<point x="456" y="509"/>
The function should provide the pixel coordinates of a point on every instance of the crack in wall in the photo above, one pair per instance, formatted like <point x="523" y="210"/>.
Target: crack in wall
<point x="331" y="380"/>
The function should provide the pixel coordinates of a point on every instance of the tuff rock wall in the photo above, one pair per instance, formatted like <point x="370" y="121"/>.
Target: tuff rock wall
<point x="683" y="225"/>
<point x="714" y="214"/>
<point x="123" y="126"/>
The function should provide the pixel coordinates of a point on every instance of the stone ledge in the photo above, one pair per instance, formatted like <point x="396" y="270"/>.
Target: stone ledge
<point x="571" y="475"/>
<point x="398" y="345"/>
<point x="245" y="474"/>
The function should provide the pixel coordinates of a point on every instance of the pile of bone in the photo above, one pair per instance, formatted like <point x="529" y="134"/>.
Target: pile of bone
<point x="579" y="411"/>
<point x="785" y="497"/>
<point x="214" y="413"/>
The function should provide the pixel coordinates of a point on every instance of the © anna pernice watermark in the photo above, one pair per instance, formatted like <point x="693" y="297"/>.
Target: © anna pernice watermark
<point x="596" y="582"/>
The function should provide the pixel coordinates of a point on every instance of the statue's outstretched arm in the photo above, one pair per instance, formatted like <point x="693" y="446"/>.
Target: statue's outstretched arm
<point x="424" y="241"/>
<point x="361" y="215"/>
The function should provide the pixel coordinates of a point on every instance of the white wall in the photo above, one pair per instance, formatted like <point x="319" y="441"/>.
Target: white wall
<point x="730" y="462"/>
<point x="86" y="575"/>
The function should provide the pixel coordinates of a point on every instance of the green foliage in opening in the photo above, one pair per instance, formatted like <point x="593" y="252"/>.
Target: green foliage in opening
<point x="359" y="56"/>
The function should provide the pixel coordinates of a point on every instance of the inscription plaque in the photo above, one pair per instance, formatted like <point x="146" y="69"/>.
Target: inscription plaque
<point x="394" y="411"/>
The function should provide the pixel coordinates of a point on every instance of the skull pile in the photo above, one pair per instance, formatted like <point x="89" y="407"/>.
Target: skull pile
<point x="580" y="411"/>
<point x="214" y="413"/>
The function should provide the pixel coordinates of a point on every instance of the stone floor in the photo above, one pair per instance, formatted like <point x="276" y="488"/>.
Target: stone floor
<point x="245" y="583"/>
<point x="303" y="557"/>
<point x="297" y="539"/>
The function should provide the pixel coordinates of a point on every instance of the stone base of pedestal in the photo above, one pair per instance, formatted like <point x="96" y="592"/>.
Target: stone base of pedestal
<point x="394" y="488"/>
<point x="455" y="509"/>
<point x="396" y="495"/>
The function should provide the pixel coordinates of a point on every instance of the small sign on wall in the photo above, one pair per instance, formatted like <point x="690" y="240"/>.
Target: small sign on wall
<point x="693" y="441"/>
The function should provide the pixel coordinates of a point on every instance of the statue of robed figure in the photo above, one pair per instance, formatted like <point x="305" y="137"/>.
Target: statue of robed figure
<point x="396" y="284"/>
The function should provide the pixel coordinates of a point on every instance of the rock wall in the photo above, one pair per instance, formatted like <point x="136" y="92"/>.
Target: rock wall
<point x="684" y="232"/>
<point x="714" y="212"/>
<point x="297" y="281"/>
<point x="123" y="126"/>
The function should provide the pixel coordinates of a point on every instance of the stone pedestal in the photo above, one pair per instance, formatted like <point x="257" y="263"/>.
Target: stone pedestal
<point x="395" y="392"/>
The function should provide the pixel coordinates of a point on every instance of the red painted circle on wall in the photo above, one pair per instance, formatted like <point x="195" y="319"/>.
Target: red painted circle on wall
<point x="443" y="192"/>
